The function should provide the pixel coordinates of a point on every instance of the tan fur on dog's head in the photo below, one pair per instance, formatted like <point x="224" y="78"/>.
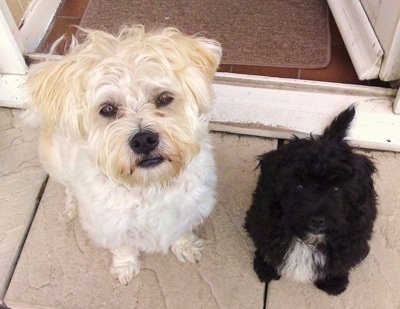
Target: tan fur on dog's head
<point x="108" y="88"/>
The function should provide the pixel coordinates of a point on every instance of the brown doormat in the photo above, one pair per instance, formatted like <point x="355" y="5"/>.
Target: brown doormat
<point x="283" y="33"/>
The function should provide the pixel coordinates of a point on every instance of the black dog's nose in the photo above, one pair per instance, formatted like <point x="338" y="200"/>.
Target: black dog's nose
<point x="144" y="142"/>
<point x="317" y="222"/>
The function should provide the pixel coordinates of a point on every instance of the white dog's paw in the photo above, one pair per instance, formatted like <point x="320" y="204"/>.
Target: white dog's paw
<point x="125" y="272"/>
<point x="125" y="265"/>
<point x="188" y="248"/>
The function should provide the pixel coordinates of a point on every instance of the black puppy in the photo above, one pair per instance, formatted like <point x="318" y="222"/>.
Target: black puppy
<point x="313" y="209"/>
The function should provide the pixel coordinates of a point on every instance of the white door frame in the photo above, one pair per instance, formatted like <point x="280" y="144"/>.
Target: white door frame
<point x="359" y="37"/>
<point x="384" y="17"/>
<point x="371" y="32"/>
<point x="12" y="62"/>
<point x="40" y="15"/>
<point x="12" y="47"/>
<point x="15" y="43"/>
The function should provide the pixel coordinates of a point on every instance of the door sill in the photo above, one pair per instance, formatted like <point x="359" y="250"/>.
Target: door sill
<point x="280" y="108"/>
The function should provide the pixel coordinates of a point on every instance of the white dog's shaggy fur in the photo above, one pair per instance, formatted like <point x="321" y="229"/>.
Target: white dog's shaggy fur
<point x="124" y="129"/>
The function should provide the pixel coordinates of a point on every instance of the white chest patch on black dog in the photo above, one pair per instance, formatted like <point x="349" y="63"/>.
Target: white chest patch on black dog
<point x="302" y="261"/>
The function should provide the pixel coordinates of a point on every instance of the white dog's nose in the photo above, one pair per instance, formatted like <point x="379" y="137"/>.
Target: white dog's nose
<point x="144" y="142"/>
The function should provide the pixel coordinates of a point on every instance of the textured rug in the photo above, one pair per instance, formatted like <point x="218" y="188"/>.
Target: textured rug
<point x="283" y="33"/>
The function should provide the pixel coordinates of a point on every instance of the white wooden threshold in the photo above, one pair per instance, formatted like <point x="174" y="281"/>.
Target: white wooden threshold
<point x="280" y="107"/>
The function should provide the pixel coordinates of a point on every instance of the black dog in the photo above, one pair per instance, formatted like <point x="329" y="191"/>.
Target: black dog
<point x="313" y="209"/>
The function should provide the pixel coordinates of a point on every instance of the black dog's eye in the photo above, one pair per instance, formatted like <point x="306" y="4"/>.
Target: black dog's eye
<point x="108" y="110"/>
<point x="336" y="189"/>
<point x="164" y="99"/>
<point x="299" y="187"/>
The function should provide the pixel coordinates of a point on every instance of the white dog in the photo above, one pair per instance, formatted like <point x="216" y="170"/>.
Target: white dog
<point x="124" y="129"/>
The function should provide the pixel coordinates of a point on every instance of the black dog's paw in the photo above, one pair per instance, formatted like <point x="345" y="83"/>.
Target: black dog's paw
<point x="333" y="286"/>
<point x="264" y="272"/>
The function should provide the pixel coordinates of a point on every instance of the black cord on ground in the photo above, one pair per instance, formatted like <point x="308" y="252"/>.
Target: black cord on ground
<point x="265" y="296"/>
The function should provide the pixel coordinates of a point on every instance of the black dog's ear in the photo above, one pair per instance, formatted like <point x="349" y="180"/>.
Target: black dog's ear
<point x="339" y="127"/>
<point x="269" y="164"/>
<point x="264" y="196"/>
<point x="363" y="170"/>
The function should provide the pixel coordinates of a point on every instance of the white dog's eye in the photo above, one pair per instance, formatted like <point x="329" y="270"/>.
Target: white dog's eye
<point x="164" y="99"/>
<point x="108" y="110"/>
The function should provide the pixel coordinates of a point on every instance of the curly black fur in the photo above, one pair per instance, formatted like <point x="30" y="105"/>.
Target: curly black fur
<point x="314" y="186"/>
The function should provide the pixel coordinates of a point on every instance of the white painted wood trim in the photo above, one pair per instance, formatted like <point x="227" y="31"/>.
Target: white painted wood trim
<point x="37" y="21"/>
<point x="391" y="62"/>
<point x="385" y="20"/>
<point x="11" y="60"/>
<point x="10" y="84"/>
<point x="9" y="20"/>
<point x="359" y="37"/>
<point x="11" y="94"/>
<point x="396" y="104"/>
<point x="279" y="108"/>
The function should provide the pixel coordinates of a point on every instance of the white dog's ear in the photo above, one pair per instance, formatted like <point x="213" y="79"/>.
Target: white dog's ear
<point x="52" y="95"/>
<point x="214" y="56"/>
<point x="204" y="56"/>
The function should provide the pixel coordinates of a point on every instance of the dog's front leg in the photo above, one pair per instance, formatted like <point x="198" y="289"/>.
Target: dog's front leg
<point x="125" y="264"/>
<point x="264" y="271"/>
<point x="187" y="248"/>
<point x="71" y="206"/>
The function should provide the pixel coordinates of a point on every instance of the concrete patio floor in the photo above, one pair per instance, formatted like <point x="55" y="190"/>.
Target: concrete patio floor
<point x="59" y="267"/>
